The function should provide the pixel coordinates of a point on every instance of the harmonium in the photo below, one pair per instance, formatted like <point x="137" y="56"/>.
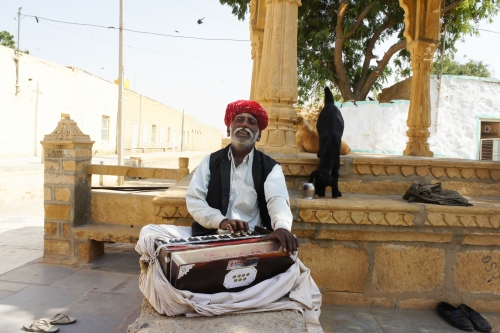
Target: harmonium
<point x="221" y="263"/>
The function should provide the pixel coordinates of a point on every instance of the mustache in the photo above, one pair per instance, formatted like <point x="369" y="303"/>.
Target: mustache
<point x="243" y="129"/>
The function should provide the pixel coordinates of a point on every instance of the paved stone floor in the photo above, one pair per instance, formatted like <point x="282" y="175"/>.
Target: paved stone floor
<point x="105" y="298"/>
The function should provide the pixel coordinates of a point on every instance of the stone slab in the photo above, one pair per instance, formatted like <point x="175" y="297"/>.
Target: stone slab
<point x="13" y="258"/>
<point x="37" y="274"/>
<point x="117" y="262"/>
<point x="348" y="319"/>
<point x="12" y="286"/>
<point x="129" y="287"/>
<point x="35" y="302"/>
<point x="93" y="322"/>
<point x="262" y="322"/>
<point x="107" y="303"/>
<point x="92" y="280"/>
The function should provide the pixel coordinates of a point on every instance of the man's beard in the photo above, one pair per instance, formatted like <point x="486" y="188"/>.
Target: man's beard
<point x="243" y="142"/>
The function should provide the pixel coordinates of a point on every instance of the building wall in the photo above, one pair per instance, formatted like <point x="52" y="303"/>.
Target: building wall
<point x="455" y="124"/>
<point x="48" y="90"/>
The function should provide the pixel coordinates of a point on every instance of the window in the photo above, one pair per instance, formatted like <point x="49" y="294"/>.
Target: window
<point x="168" y="135"/>
<point x="153" y="133"/>
<point x="105" y="128"/>
<point x="144" y="132"/>
<point x="162" y="134"/>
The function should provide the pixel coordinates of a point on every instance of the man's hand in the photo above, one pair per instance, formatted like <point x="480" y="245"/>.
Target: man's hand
<point x="289" y="242"/>
<point x="234" y="226"/>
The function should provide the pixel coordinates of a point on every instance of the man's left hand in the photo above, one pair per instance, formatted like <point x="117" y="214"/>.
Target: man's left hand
<point x="289" y="242"/>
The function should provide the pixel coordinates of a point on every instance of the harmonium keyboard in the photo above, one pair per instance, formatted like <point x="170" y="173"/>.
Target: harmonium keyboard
<point x="221" y="263"/>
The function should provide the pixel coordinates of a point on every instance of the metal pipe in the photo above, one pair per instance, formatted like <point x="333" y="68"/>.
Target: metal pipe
<point x="119" y="120"/>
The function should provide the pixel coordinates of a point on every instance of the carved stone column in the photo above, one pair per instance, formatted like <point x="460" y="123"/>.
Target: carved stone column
<point x="276" y="85"/>
<point x="422" y="27"/>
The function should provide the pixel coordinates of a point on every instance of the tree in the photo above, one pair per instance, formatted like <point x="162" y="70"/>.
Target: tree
<point x="337" y="41"/>
<point x="7" y="40"/>
<point x="469" y="68"/>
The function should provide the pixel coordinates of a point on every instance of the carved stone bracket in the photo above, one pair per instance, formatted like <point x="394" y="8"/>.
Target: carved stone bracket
<point x="67" y="129"/>
<point x="463" y="220"/>
<point x="437" y="171"/>
<point x="404" y="219"/>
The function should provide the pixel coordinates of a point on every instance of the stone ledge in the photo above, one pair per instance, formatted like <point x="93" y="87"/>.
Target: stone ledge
<point x="107" y="233"/>
<point x="286" y="321"/>
<point x="449" y="168"/>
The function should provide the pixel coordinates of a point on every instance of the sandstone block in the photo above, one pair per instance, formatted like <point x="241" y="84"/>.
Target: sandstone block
<point x="68" y="166"/>
<point x="59" y="179"/>
<point x="286" y="321"/>
<point x="47" y="193"/>
<point x="62" y="194"/>
<point x="401" y="268"/>
<point x="372" y="236"/>
<point x="478" y="271"/>
<point x="50" y="228"/>
<point x="485" y="306"/>
<point x="57" y="212"/>
<point x="66" y="228"/>
<point x="52" y="165"/>
<point x="90" y="250"/>
<point x="344" y="298"/>
<point x="485" y="240"/>
<point x="419" y="304"/>
<point x="336" y="268"/>
<point x="58" y="247"/>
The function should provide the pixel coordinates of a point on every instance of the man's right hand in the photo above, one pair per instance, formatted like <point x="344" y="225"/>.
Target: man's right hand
<point x="234" y="225"/>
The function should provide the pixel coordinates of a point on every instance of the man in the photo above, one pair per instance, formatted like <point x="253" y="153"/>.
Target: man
<point x="238" y="188"/>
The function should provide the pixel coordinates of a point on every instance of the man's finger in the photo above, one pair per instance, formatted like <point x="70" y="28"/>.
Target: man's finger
<point x="230" y="228"/>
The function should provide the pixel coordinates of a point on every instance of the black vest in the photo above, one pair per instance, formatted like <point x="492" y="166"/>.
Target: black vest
<point x="220" y="181"/>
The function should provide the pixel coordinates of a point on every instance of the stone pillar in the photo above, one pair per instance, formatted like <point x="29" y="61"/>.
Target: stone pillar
<point x="67" y="152"/>
<point x="422" y="27"/>
<point x="276" y="85"/>
<point x="257" y="24"/>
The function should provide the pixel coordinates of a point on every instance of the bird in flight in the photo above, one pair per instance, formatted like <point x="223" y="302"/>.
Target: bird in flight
<point x="176" y="31"/>
<point x="200" y="21"/>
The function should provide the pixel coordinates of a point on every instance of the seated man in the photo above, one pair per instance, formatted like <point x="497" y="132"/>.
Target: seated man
<point x="238" y="188"/>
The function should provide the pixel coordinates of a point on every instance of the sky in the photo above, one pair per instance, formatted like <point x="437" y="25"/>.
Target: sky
<point x="198" y="76"/>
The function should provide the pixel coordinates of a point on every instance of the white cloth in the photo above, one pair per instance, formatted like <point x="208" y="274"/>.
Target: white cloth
<point x="243" y="203"/>
<point x="292" y="290"/>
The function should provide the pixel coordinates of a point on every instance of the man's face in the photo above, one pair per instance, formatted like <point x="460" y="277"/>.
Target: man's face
<point x="244" y="130"/>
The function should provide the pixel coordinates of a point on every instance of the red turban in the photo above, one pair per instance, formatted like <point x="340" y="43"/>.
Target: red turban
<point x="251" y="107"/>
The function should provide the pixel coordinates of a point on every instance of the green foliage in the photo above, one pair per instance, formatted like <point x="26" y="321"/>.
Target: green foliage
<point x="6" y="39"/>
<point x="358" y="64"/>
<point x="469" y="68"/>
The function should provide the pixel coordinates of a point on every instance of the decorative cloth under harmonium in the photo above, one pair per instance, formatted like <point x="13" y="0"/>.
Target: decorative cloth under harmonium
<point x="221" y="263"/>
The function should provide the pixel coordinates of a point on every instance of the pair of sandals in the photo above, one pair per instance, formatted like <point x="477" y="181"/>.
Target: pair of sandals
<point x="47" y="324"/>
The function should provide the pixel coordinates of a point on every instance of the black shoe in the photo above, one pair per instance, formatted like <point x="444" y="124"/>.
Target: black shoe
<point x="455" y="317"/>
<point x="476" y="319"/>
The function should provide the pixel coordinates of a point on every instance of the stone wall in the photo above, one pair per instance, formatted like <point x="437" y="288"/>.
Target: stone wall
<point x="47" y="91"/>
<point x="455" y="125"/>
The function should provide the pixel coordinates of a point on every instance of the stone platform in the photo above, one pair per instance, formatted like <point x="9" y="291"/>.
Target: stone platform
<point x="371" y="247"/>
<point x="276" y="322"/>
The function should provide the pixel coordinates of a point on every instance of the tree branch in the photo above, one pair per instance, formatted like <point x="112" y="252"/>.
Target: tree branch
<point x="380" y="67"/>
<point x="344" y="85"/>
<point x="359" y="20"/>
<point x="369" y="53"/>
<point x="450" y="7"/>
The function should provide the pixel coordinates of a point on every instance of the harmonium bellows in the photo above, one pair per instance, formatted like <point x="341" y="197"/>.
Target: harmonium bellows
<point x="221" y="263"/>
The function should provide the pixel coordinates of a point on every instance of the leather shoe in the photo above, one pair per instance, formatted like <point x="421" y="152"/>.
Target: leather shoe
<point x="479" y="323"/>
<point x="454" y="316"/>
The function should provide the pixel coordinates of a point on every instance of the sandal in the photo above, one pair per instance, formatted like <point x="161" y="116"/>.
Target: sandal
<point x="41" y="325"/>
<point x="60" y="319"/>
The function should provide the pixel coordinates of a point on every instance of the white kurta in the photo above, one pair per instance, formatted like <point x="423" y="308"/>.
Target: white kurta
<point x="243" y="203"/>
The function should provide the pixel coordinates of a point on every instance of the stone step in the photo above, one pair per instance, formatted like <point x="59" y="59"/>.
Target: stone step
<point x="385" y="174"/>
<point x="102" y="232"/>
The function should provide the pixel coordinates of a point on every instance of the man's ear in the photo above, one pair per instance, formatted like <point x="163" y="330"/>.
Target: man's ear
<point x="258" y="136"/>
<point x="228" y="132"/>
